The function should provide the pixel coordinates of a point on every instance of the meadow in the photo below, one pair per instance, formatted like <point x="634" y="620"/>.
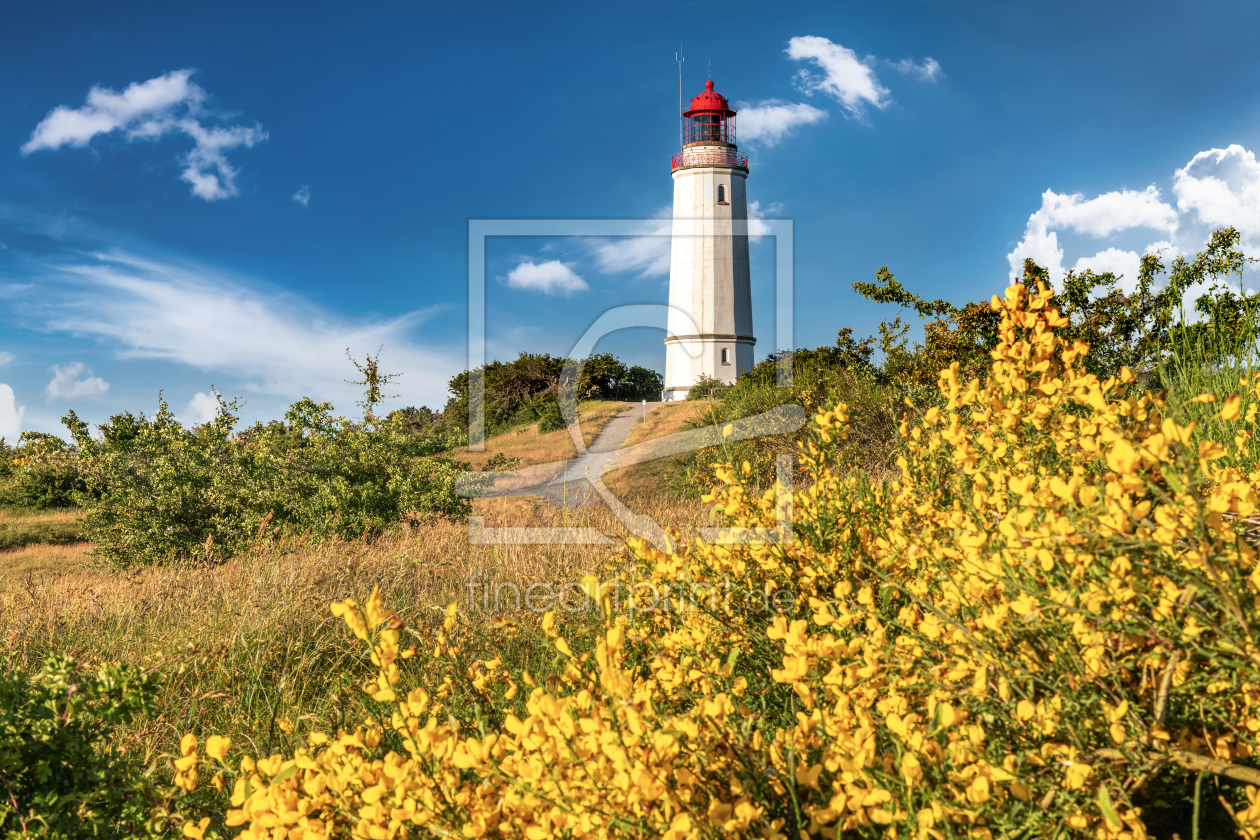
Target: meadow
<point x="1026" y="603"/>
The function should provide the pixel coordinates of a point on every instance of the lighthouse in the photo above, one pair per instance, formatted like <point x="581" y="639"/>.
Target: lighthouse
<point x="708" y="267"/>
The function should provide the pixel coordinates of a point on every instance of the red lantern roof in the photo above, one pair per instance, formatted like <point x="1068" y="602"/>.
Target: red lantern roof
<point x="710" y="102"/>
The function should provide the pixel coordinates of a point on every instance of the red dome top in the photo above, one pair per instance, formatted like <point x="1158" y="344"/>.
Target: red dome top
<point x="710" y="102"/>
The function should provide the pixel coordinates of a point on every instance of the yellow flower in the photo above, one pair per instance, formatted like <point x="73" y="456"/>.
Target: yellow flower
<point x="196" y="831"/>
<point x="1077" y="773"/>
<point x="217" y="747"/>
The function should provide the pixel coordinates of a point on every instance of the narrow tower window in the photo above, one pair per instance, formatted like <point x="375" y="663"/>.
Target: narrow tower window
<point x="722" y="197"/>
<point x="725" y="361"/>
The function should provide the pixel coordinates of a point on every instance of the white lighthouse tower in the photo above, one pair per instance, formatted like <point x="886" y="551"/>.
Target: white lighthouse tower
<point x="708" y="269"/>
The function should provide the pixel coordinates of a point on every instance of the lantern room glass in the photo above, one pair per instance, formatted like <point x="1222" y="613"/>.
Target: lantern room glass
<point x="709" y="128"/>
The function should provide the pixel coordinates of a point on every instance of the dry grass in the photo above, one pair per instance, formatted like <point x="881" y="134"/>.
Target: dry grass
<point x="534" y="448"/>
<point x="659" y="476"/>
<point x="10" y="516"/>
<point x="41" y="561"/>
<point x="665" y="420"/>
<point x="252" y="640"/>
<point x="27" y="531"/>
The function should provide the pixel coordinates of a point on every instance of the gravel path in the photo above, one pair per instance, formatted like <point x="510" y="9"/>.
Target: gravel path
<point x="572" y="487"/>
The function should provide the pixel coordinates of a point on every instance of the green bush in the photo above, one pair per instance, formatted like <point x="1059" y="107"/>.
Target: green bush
<point x="61" y="773"/>
<point x="518" y="393"/>
<point x="820" y="378"/>
<point x="39" y="474"/>
<point x="1148" y="331"/>
<point x="707" y="388"/>
<point x="160" y="491"/>
<point x="549" y="419"/>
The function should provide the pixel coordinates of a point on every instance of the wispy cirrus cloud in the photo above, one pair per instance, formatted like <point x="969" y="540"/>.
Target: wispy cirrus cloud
<point x="844" y="77"/>
<point x="270" y="343"/>
<point x="303" y="196"/>
<point x="164" y="105"/>
<point x="928" y="69"/>
<point x="646" y="255"/>
<point x="6" y="358"/>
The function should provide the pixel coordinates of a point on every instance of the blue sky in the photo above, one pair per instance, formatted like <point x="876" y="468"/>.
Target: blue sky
<point x="231" y="194"/>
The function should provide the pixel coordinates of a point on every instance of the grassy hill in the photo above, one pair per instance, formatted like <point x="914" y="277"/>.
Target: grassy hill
<point x="531" y="447"/>
<point x="633" y="484"/>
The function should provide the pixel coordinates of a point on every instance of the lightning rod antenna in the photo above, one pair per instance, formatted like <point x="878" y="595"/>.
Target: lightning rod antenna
<point x="680" y="58"/>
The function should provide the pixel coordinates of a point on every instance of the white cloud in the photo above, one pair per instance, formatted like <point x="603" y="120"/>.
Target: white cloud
<point x="647" y="254"/>
<point x="303" y="196"/>
<point x="271" y="343"/>
<point x="551" y="277"/>
<point x="929" y="70"/>
<point x="1124" y="264"/>
<point x="143" y="109"/>
<point x="5" y="358"/>
<point x="66" y="383"/>
<point x="770" y="121"/>
<point x="1108" y="213"/>
<point x="845" y="77"/>
<point x="756" y="227"/>
<point x="1098" y="217"/>
<point x="202" y="408"/>
<point x="147" y="111"/>
<point x="10" y="415"/>
<point x="1219" y="188"/>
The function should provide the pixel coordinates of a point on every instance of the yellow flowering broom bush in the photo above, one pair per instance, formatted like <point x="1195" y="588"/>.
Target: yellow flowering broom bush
<point x="1048" y="623"/>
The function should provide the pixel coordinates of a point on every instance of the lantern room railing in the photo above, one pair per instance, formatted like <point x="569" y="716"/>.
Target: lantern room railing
<point x="709" y="157"/>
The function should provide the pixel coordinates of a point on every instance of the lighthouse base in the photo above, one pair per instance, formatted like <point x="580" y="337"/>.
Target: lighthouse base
<point x="690" y="359"/>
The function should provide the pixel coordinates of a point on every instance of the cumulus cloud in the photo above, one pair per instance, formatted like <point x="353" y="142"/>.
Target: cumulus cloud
<point x="844" y="77"/>
<point x="928" y="70"/>
<point x="10" y="415"/>
<point x="770" y="121"/>
<point x="1217" y="188"/>
<point x="1124" y="264"/>
<point x="202" y="408"/>
<point x="67" y="384"/>
<point x="1097" y="217"/>
<point x="303" y="196"/>
<point x="551" y="278"/>
<point x="189" y="314"/>
<point x="168" y="104"/>
<point x="5" y="358"/>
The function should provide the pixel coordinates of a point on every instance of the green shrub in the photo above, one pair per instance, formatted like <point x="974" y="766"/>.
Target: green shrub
<point x="549" y="419"/>
<point x="517" y="393"/>
<point x="42" y="474"/>
<point x="162" y="491"/>
<point x="61" y="774"/>
<point x="707" y="388"/>
<point x="1147" y="330"/>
